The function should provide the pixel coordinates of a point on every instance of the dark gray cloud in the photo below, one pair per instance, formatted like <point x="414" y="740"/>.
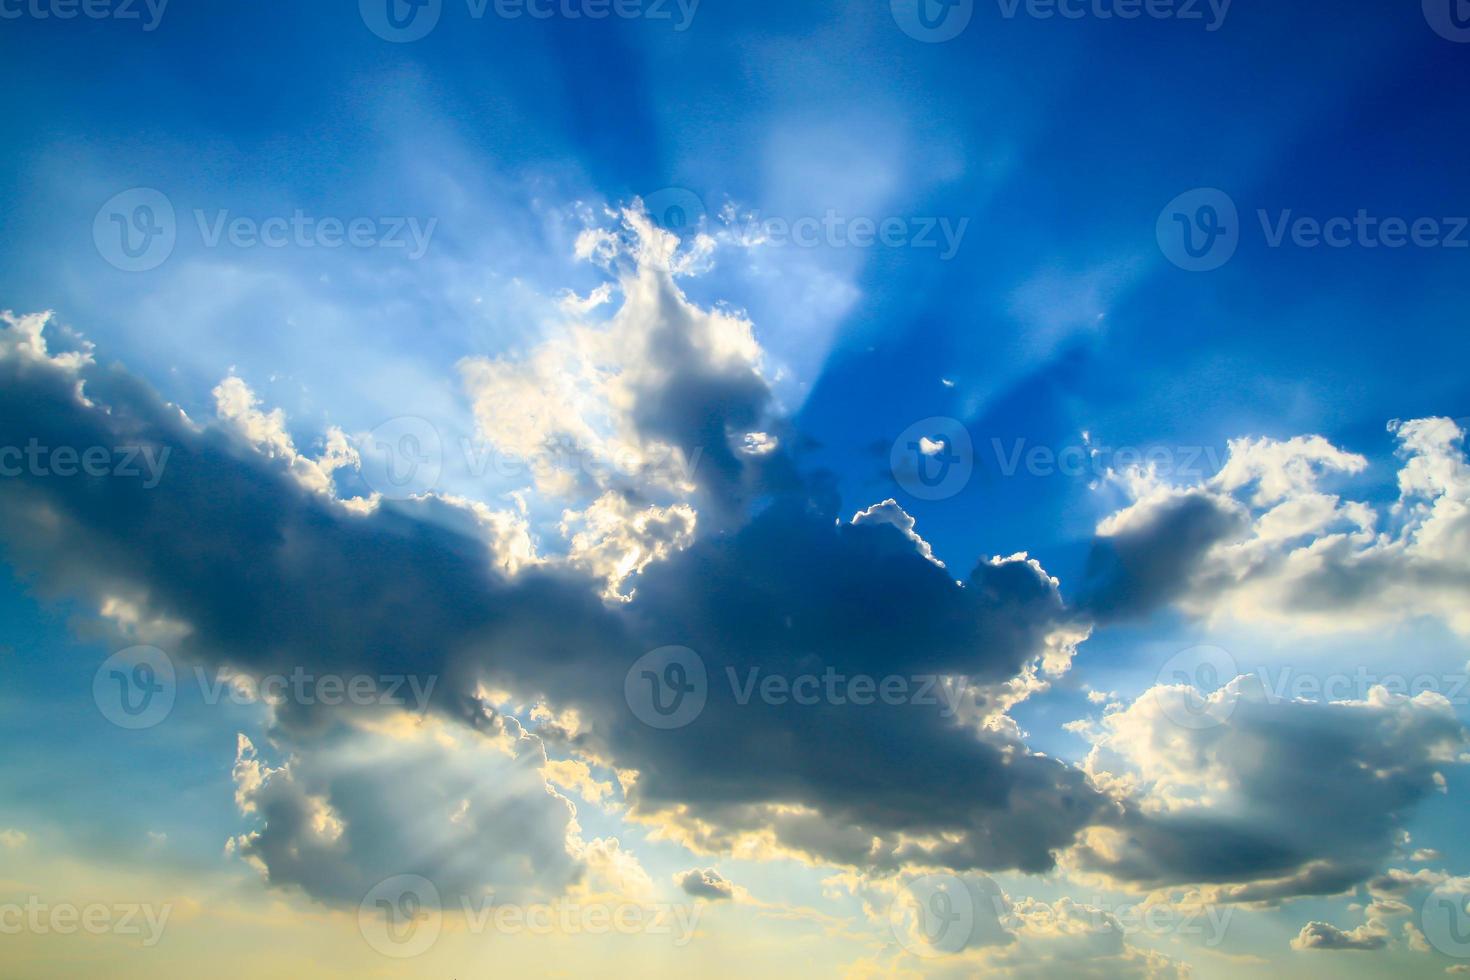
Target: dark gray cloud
<point x="1304" y="798"/>
<point x="267" y="575"/>
<point x="1152" y="562"/>
<point x="706" y="883"/>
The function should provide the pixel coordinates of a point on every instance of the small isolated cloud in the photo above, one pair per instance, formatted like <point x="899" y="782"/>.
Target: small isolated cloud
<point x="1324" y="935"/>
<point x="705" y="883"/>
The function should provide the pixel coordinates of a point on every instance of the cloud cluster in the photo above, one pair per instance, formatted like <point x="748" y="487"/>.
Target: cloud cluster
<point x="1264" y="540"/>
<point x="255" y="563"/>
<point x="1262" y="800"/>
<point x="471" y="813"/>
<point x="952" y="926"/>
<point x="260" y="570"/>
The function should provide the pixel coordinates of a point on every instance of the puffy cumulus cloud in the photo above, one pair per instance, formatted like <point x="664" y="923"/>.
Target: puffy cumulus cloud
<point x="662" y="399"/>
<point x="705" y="883"/>
<point x="954" y="926"/>
<point x="1263" y="540"/>
<point x="24" y="341"/>
<point x="1072" y="939"/>
<point x="613" y="538"/>
<point x="1376" y="930"/>
<point x="889" y="512"/>
<point x="257" y="572"/>
<point x="239" y="407"/>
<point x="612" y="872"/>
<point x="1257" y="799"/>
<point x="1325" y="935"/>
<point x="471" y="812"/>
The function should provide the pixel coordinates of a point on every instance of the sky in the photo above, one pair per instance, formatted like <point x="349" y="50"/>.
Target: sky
<point x="929" y="488"/>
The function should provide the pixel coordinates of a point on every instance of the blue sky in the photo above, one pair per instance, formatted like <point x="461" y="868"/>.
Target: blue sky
<point x="521" y="276"/>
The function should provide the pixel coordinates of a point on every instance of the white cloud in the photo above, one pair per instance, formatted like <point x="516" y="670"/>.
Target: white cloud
<point x="1262" y="541"/>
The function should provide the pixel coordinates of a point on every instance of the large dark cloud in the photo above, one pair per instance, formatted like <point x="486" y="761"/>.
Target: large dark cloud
<point x="268" y="575"/>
